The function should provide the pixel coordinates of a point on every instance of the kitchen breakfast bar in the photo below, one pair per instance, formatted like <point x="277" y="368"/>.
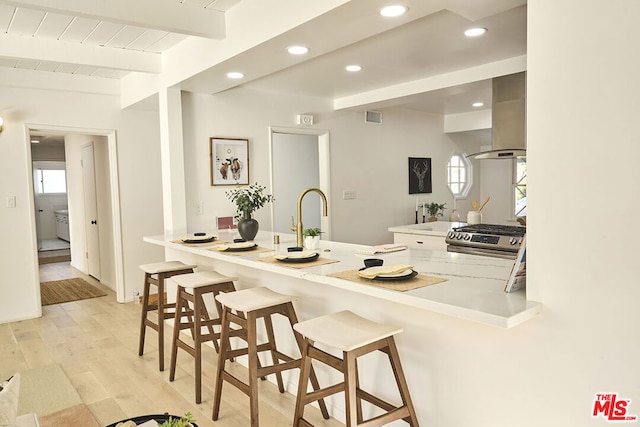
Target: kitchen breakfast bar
<point x="473" y="288"/>
<point x="465" y="289"/>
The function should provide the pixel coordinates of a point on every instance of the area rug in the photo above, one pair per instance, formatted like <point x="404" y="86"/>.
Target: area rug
<point x="66" y="290"/>
<point x="74" y="416"/>
<point x="48" y="257"/>
<point x="45" y="390"/>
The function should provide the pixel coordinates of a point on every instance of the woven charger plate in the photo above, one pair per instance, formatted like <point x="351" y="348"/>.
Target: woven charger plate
<point x="416" y="282"/>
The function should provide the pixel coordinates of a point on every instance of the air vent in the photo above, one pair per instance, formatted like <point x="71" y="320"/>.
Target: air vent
<point x="373" y="117"/>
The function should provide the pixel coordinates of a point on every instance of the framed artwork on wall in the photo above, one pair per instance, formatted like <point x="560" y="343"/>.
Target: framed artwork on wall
<point x="229" y="160"/>
<point x="419" y="175"/>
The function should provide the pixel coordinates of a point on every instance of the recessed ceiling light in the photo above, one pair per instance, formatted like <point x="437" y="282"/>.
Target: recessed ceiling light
<point x="477" y="104"/>
<point x="297" y="50"/>
<point x="393" y="10"/>
<point x="235" y="75"/>
<point x="35" y="141"/>
<point x="353" y="68"/>
<point x="475" y="32"/>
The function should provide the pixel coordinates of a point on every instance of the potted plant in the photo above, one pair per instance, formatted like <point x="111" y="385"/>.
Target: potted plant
<point x="184" y="421"/>
<point x="311" y="237"/>
<point x="435" y="210"/>
<point x="248" y="200"/>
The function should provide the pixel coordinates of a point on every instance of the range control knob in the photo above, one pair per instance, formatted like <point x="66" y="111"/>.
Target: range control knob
<point x="513" y="241"/>
<point x="467" y="237"/>
<point x="458" y="236"/>
<point x="451" y="235"/>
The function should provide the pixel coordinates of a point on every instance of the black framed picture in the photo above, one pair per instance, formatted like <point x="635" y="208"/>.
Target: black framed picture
<point x="419" y="175"/>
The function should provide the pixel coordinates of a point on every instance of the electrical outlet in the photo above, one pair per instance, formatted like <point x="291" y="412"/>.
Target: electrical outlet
<point x="200" y="208"/>
<point x="11" y="201"/>
<point x="348" y="194"/>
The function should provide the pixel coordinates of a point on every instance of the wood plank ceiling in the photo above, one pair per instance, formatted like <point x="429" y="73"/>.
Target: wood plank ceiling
<point x="28" y="30"/>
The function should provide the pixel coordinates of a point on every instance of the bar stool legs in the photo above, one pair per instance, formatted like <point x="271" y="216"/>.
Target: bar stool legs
<point x="255" y="303"/>
<point x="355" y="336"/>
<point x="156" y="274"/>
<point x="191" y="289"/>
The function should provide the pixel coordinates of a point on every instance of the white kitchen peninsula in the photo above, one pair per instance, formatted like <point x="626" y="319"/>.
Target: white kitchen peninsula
<point x="473" y="289"/>
<point x="470" y="302"/>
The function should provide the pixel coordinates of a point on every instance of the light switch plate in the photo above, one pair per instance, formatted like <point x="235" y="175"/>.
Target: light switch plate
<point x="11" y="201"/>
<point x="348" y="194"/>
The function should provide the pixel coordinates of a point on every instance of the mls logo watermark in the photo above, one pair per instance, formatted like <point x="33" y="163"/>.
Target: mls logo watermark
<point x="612" y="408"/>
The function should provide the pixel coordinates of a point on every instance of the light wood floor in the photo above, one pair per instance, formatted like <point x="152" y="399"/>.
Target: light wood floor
<point x="96" y="341"/>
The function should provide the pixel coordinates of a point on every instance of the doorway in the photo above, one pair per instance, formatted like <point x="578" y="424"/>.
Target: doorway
<point x="299" y="160"/>
<point x="111" y="271"/>
<point x="51" y="208"/>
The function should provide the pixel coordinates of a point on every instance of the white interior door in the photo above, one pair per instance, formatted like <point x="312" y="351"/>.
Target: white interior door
<point x="91" y="211"/>
<point x="295" y="168"/>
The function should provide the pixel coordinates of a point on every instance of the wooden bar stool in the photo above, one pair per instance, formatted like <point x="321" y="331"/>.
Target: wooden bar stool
<point x="355" y="337"/>
<point x="190" y="305"/>
<point x="156" y="274"/>
<point x="255" y="303"/>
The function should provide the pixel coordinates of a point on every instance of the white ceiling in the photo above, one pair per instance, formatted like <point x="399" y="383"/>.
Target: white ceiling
<point x="110" y="39"/>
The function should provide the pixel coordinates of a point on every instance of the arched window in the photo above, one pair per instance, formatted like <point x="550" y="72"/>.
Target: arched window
<point x="459" y="175"/>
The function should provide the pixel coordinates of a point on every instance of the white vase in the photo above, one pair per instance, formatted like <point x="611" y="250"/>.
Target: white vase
<point x="311" y="242"/>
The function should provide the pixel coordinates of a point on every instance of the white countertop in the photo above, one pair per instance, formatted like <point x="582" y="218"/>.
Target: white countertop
<point x="436" y="228"/>
<point x="473" y="289"/>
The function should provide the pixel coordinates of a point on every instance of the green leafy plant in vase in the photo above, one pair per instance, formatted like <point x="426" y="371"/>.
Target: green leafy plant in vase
<point x="435" y="210"/>
<point x="311" y="237"/>
<point x="248" y="200"/>
<point x="184" y="421"/>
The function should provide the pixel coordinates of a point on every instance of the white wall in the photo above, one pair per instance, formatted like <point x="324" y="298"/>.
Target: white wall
<point x="582" y="145"/>
<point x="370" y="159"/>
<point x="140" y="190"/>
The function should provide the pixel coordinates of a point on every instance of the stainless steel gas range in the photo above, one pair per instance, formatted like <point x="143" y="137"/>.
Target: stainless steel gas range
<point x="500" y="241"/>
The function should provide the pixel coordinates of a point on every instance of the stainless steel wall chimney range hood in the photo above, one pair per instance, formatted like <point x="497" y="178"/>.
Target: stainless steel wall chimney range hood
<point x="508" y="118"/>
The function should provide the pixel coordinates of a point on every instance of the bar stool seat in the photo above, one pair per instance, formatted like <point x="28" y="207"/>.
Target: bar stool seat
<point x="243" y="308"/>
<point x="191" y="289"/>
<point x="355" y="336"/>
<point x="156" y="274"/>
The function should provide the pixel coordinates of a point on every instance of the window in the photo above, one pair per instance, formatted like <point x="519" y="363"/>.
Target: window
<point x="520" y="186"/>
<point x="49" y="177"/>
<point x="459" y="175"/>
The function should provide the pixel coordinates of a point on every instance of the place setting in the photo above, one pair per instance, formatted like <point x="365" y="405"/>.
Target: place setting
<point x="298" y="258"/>
<point x="197" y="239"/>
<point x="240" y="247"/>
<point x="399" y="277"/>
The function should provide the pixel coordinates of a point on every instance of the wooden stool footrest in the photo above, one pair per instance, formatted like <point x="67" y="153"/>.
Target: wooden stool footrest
<point x="226" y="376"/>
<point x="274" y="369"/>
<point x="316" y="395"/>
<point x="304" y="423"/>
<point x="385" y="419"/>
<point x="375" y="400"/>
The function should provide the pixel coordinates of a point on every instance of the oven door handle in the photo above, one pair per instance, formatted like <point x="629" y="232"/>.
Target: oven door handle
<point x="484" y="252"/>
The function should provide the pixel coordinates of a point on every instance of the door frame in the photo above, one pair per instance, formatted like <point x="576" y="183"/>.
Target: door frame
<point x="114" y="179"/>
<point x="324" y="170"/>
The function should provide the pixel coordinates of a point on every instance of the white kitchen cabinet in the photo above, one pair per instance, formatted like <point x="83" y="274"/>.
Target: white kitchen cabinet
<point x="429" y="235"/>
<point x="62" y="225"/>
<point x="421" y="241"/>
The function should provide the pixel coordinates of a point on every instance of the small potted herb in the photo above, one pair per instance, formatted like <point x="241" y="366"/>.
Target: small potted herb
<point x="435" y="210"/>
<point x="311" y="237"/>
